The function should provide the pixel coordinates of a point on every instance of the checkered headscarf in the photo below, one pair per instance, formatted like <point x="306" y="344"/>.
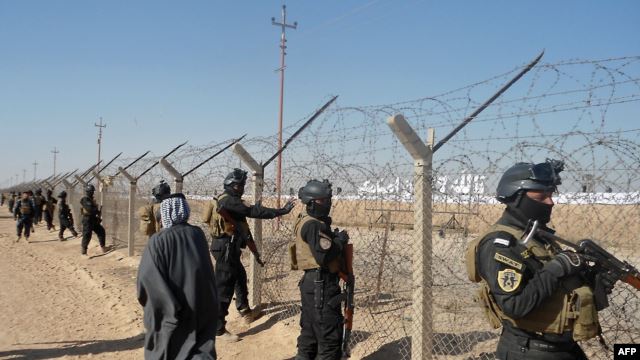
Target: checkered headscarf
<point x="174" y="210"/>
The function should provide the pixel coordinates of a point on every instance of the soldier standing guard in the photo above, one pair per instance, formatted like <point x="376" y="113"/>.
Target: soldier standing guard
<point x="318" y="251"/>
<point x="536" y="291"/>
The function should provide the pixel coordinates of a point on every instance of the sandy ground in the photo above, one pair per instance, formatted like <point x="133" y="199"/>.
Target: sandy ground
<point x="57" y="304"/>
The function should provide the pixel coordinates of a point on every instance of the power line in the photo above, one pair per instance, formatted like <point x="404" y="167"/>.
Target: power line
<point x="283" y="46"/>
<point x="55" y="152"/>
<point x="100" y="127"/>
<point x="35" y="167"/>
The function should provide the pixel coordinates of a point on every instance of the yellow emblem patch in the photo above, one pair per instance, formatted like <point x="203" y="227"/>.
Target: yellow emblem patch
<point x="525" y="254"/>
<point x="509" y="280"/>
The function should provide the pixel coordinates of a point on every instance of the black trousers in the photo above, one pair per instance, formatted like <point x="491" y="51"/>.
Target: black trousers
<point x="230" y="277"/>
<point x="64" y="225"/>
<point x="26" y="223"/>
<point x="48" y="218"/>
<point x="512" y="346"/>
<point x="321" y="320"/>
<point x="38" y="216"/>
<point x="90" y="226"/>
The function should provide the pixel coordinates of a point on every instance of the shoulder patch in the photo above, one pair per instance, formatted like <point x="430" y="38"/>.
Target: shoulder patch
<point x="508" y="261"/>
<point x="503" y="242"/>
<point x="325" y="242"/>
<point x="509" y="280"/>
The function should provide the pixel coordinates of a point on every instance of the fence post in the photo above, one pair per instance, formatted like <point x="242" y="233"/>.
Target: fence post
<point x="133" y="185"/>
<point x="422" y="330"/>
<point x="255" y="271"/>
<point x="177" y="176"/>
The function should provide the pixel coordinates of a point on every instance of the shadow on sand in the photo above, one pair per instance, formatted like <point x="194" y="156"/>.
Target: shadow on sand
<point x="75" y="348"/>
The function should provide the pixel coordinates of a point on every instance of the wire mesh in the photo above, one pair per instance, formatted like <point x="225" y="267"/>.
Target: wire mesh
<point x="578" y="111"/>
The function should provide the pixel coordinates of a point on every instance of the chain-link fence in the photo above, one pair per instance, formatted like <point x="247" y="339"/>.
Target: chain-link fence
<point x="581" y="112"/>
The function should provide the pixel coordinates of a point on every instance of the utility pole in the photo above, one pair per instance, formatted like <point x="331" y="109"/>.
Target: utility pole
<point x="283" y="46"/>
<point x="55" y="152"/>
<point x="24" y="176"/>
<point x="35" y="167"/>
<point x="100" y="127"/>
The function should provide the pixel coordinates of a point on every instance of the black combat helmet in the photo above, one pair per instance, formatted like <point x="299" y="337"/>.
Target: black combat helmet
<point x="63" y="194"/>
<point x="161" y="191"/>
<point x="38" y="191"/>
<point x="525" y="176"/>
<point x="314" y="190"/>
<point x="89" y="189"/>
<point x="522" y="177"/>
<point x="235" y="181"/>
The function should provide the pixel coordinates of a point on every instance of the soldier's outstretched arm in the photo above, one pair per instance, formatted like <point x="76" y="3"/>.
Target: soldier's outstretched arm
<point x="257" y="211"/>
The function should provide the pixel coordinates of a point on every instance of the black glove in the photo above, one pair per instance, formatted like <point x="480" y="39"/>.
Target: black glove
<point x="287" y="207"/>
<point x="566" y="263"/>
<point x="608" y="280"/>
<point x="341" y="237"/>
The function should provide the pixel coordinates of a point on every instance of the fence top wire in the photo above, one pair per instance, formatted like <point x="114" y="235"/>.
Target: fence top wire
<point x="577" y="110"/>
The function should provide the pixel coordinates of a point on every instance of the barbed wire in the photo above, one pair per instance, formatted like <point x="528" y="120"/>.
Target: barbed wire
<point x="578" y="111"/>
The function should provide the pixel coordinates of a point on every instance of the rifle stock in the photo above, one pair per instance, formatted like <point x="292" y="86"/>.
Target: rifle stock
<point x="348" y="278"/>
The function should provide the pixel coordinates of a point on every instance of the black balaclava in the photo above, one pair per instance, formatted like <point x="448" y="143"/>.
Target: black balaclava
<point x="525" y="208"/>
<point x="319" y="210"/>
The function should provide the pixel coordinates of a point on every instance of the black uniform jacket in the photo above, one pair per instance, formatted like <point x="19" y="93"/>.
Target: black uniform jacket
<point x="240" y="211"/>
<point x="90" y="207"/>
<point x="518" y="282"/>
<point x="310" y="233"/>
<point x="64" y="214"/>
<point x="176" y="286"/>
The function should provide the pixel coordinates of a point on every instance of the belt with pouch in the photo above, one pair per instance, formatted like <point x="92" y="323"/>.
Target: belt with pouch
<point x="538" y="345"/>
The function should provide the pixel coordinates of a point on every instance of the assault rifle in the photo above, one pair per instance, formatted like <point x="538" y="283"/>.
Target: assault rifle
<point x="348" y="288"/>
<point x="603" y="263"/>
<point x="230" y="227"/>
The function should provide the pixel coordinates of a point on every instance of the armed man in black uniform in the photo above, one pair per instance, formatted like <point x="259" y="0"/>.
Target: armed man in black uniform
<point x="318" y="251"/>
<point x="24" y="211"/>
<point x="49" y="208"/>
<point x="65" y="217"/>
<point x="226" y="249"/>
<point x="39" y="200"/>
<point x="538" y="292"/>
<point x="91" y="219"/>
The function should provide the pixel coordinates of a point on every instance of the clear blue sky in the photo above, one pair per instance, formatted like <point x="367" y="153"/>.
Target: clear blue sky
<point x="161" y="72"/>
